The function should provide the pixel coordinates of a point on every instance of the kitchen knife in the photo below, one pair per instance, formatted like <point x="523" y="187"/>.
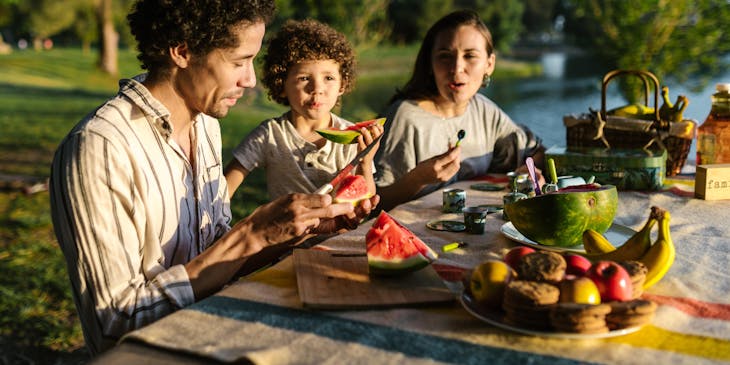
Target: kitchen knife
<point x="327" y="188"/>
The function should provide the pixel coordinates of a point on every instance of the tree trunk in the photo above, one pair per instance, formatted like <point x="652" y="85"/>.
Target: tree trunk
<point x="4" y="47"/>
<point x="108" y="38"/>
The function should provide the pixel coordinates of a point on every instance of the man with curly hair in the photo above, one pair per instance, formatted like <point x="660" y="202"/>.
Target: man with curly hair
<point x="139" y="203"/>
<point x="307" y="67"/>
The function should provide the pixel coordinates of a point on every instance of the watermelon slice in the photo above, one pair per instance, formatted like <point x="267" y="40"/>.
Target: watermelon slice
<point x="349" y="134"/>
<point x="393" y="249"/>
<point x="352" y="189"/>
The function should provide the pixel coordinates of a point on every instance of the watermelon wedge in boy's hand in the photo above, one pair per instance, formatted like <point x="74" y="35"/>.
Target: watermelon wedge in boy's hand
<point x="393" y="249"/>
<point x="352" y="189"/>
<point x="349" y="134"/>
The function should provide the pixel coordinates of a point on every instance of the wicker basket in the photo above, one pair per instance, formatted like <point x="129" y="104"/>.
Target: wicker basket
<point x="597" y="129"/>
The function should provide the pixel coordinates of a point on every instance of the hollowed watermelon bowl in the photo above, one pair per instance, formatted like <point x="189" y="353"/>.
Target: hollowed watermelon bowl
<point x="560" y="218"/>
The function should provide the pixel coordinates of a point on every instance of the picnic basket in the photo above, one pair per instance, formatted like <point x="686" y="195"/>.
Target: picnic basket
<point x="601" y="129"/>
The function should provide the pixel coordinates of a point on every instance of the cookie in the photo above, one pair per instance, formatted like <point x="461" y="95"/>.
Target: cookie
<point x="634" y="306"/>
<point x="527" y="303"/>
<point x="579" y="318"/>
<point x="635" y="312"/>
<point x="637" y="271"/>
<point x="530" y="293"/>
<point x="628" y="320"/>
<point x="545" y="266"/>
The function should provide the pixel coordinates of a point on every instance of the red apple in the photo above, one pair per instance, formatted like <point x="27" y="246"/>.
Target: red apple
<point x="612" y="280"/>
<point x="515" y="255"/>
<point x="576" y="264"/>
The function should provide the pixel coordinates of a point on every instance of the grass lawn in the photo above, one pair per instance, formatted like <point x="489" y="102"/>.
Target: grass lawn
<point x="42" y="95"/>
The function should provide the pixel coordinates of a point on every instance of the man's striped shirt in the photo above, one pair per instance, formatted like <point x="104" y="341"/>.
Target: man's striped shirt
<point x="129" y="209"/>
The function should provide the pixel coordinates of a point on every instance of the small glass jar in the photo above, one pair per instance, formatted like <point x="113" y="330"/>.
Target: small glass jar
<point x="512" y="196"/>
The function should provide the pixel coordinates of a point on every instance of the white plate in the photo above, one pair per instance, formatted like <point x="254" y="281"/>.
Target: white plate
<point x="616" y="234"/>
<point x="496" y="318"/>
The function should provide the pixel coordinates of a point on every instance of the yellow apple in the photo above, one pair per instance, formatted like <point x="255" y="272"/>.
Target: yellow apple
<point x="579" y="290"/>
<point x="488" y="281"/>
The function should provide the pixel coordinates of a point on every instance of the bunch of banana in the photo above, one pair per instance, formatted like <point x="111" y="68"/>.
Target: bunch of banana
<point x="598" y="247"/>
<point x="660" y="256"/>
<point x="635" y="111"/>
<point x="657" y="257"/>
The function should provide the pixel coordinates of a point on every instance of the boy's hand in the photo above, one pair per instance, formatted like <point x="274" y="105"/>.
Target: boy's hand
<point x="367" y="136"/>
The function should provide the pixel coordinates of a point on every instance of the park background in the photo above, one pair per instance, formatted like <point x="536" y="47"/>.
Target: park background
<point x="59" y="59"/>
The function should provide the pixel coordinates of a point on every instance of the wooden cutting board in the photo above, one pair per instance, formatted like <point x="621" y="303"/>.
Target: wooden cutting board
<point x="340" y="280"/>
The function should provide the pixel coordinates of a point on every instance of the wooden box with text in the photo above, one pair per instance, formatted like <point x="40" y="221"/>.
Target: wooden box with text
<point x="712" y="182"/>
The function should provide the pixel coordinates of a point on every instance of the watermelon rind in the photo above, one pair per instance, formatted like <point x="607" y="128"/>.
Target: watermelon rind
<point x="560" y="218"/>
<point x="385" y="267"/>
<point x="344" y="136"/>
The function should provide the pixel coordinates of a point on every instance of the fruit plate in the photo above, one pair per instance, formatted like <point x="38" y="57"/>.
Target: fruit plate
<point x="496" y="318"/>
<point x="616" y="234"/>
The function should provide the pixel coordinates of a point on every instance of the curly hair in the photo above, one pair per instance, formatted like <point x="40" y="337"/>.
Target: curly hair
<point x="202" y="25"/>
<point x="422" y="84"/>
<point x="305" y="40"/>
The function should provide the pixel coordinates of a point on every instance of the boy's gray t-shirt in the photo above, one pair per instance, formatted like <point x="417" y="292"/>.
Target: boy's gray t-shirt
<point x="292" y="164"/>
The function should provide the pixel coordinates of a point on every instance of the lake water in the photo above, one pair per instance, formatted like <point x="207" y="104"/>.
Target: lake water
<point x="540" y="103"/>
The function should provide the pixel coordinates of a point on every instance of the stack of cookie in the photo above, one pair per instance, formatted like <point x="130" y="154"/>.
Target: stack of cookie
<point x="528" y="303"/>
<point x="635" y="312"/>
<point x="579" y="318"/>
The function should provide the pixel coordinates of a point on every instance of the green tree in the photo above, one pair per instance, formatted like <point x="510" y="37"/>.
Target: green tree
<point x="410" y="19"/>
<point x="503" y="17"/>
<point x="368" y="27"/>
<point x="7" y="9"/>
<point x="538" y="15"/>
<point x="84" y="26"/>
<point x="46" y="18"/>
<point x="680" y="39"/>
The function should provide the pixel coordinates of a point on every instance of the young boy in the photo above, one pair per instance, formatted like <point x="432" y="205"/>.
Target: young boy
<point x="308" y="66"/>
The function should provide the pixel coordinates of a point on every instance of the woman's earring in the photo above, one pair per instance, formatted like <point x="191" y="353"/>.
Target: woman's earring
<point x="487" y="80"/>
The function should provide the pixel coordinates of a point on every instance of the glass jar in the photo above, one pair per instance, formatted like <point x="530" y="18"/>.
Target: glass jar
<point x="713" y="136"/>
<point x="512" y="196"/>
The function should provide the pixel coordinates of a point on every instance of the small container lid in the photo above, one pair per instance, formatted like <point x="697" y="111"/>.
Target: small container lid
<point x="722" y="87"/>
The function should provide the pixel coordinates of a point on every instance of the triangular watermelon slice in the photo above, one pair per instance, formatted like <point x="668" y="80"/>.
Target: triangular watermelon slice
<point x="349" y="134"/>
<point x="393" y="249"/>
<point x="352" y="189"/>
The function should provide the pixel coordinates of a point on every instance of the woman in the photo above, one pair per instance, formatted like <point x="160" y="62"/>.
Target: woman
<point x="419" y="153"/>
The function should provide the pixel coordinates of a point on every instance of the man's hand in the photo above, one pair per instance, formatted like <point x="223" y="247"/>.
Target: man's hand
<point x="348" y="221"/>
<point x="295" y="216"/>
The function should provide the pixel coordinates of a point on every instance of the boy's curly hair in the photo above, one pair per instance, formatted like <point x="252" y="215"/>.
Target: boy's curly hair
<point x="204" y="25"/>
<point x="305" y="40"/>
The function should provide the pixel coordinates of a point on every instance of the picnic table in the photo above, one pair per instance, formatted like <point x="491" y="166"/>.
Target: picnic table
<point x="261" y="318"/>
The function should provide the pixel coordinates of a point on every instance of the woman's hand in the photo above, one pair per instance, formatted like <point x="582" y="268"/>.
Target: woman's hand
<point x="538" y="174"/>
<point x="437" y="169"/>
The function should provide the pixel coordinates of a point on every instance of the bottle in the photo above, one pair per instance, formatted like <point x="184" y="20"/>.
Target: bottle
<point x="713" y="136"/>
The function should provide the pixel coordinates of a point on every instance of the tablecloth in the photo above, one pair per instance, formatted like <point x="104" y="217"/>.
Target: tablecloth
<point x="261" y="319"/>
